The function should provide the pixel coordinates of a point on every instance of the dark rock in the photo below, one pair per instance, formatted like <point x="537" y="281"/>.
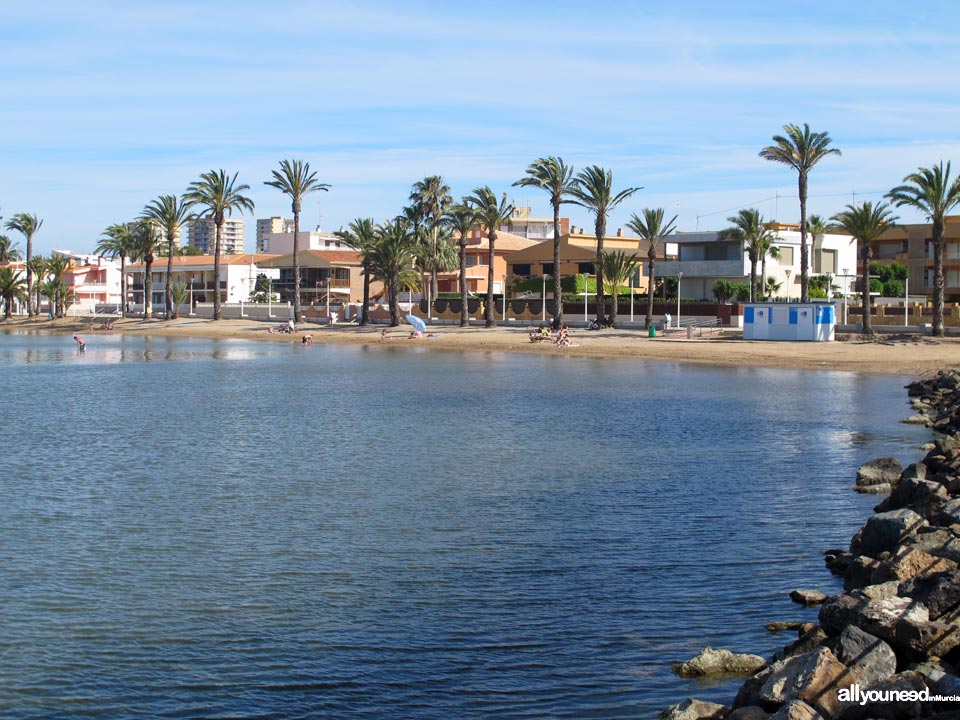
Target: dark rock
<point x="838" y="612"/>
<point x="810" y="639"/>
<point x="882" y="470"/>
<point x="796" y="710"/>
<point x="924" y="497"/>
<point x="749" y="692"/>
<point x="856" y="648"/>
<point x="691" y="709"/>
<point x="837" y="562"/>
<point x="884" y="531"/>
<point x="808" y="598"/>
<point x="783" y="625"/>
<point x="750" y="712"/>
<point x="914" y="471"/>
<point x="860" y="572"/>
<point x="949" y="513"/>
<point x="719" y="662"/>
<point x="939" y="592"/>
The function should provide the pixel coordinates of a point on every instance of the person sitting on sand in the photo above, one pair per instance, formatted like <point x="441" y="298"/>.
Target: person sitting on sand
<point x="307" y="340"/>
<point x="291" y="328"/>
<point x="81" y="345"/>
<point x="563" y="339"/>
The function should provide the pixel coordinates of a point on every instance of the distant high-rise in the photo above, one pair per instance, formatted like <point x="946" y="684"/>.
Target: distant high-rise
<point x="202" y="234"/>
<point x="271" y="226"/>
<point x="161" y="233"/>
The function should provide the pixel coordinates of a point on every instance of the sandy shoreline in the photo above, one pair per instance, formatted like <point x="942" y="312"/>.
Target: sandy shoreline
<point x="909" y="355"/>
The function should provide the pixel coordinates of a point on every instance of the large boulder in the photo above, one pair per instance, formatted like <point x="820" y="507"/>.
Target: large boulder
<point x="796" y="710"/>
<point x="885" y="470"/>
<point x="925" y="497"/>
<point x="873" y="659"/>
<point x="692" y="709"/>
<point x="949" y="513"/>
<point x="710" y="661"/>
<point x="810" y="638"/>
<point x="939" y="592"/>
<point x="908" y="562"/>
<point x="939" y="541"/>
<point x="750" y="712"/>
<point x="811" y="677"/>
<point x="859" y="572"/>
<point x="883" y="532"/>
<point x="808" y="598"/>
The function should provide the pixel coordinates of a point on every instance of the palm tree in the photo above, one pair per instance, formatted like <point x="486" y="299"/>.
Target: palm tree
<point x="930" y="191"/>
<point x="169" y="213"/>
<point x="362" y="237"/>
<point x="554" y="176"/>
<point x="296" y="180"/>
<point x="769" y="251"/>
<point x="432" y="195"/>
<point x="460" y="219"/>
<point x="391" y="259"/>
<point x="57" y="267"/>
<point x="865" y="224"/>
<point x="748" y="229"/>
<point x="801" y="150"/>
<point x="37" y="266"/>
<point x="652" y="230"/>
<point x="617" y="269"/>
<point x="117" y="242"/>
<point x="179" y="292"/>
<point x="220" y="195"/>
<point x="12" y="287"/>
<point x="144" y="247"/>
<point x="491" y="215"/>
<point x="593" y="190"/>
<point x="27" y="225"/>
<point x="8" y="250"/>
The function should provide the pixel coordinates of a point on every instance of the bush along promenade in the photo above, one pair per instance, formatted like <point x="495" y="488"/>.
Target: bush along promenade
<point x="889" y="645"/>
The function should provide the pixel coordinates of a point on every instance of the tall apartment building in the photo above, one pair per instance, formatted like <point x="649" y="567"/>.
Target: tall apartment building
<point x="271" y="226"/>
<point x="202" y="234"/>
<point x="161" y="233"/>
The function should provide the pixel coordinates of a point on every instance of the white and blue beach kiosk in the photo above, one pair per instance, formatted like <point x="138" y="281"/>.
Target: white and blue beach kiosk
<point x="814" y="322"/>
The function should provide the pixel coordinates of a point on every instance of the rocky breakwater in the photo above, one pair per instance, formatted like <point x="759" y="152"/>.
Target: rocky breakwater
<point x="889" y="645"/>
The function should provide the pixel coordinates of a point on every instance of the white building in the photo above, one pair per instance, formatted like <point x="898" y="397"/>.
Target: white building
<point x="202" y="234"/>
<point x="282" y="243"/>
<point x="703" y="259"/>
<point x="238" y="277"/>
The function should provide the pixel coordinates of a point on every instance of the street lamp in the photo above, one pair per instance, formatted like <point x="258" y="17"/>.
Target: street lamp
<point x="192" y="281"/>
<point x="544" y="298"/>
<point x="787" y="273"/>
<point x="846" y="288"/>
<point x="679" y="278"/>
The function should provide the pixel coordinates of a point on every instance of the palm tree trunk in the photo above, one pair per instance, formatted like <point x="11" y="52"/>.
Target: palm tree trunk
<point x="753" y="280"/>
<point x="491" y="321"/>
<point x="601" y="308"/>
<point x="938" y="281"/>
<point x="763" y="276"/>
<point x="394" y="293"/>
<point x="366" y="296"/>
<point x="434" y="286"/>
<point x="464" y="314"/>
<point x="216" y="272"/>
<point x="147" y="294"/>
<point x="557" y="290"/>
<point x="652" y="257"/>
<point x="168" y="282"/>
<point x="123" y="285"/>
<point x="297" y="315"/>
<point x="804" y="250"/>
<point x="865" y="255"/>
<point x="30" y="312"/>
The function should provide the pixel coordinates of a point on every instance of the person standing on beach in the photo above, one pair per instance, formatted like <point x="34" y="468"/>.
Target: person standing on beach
<point x="81" y="345"/>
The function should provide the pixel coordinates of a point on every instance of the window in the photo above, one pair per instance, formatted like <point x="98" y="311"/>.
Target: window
<point x="786" y="256"/>
<point x="522" y="269"/>
<point x="548" y="268"/>
<point x="585" y="268"/>
<point x="828" y="262"/>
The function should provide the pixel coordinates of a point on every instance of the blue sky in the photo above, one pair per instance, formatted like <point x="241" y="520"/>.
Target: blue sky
<point x="106" y="105"/>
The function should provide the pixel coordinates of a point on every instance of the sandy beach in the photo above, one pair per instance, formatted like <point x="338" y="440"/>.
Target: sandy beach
<point x="909" y="355"/>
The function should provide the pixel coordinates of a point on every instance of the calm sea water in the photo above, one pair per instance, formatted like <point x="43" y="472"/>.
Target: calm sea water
<point x="212" y="529"/>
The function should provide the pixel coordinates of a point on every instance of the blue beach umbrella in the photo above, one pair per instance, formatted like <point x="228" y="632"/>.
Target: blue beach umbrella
<point x="416" y="323"/>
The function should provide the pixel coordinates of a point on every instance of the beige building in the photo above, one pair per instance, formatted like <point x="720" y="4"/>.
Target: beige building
<point x="912" y="245"/>
<point x="534" y="228"/>
<point x="281" y="243"/>
<point x="271" y="226"/>
<point x="202" y="234"/>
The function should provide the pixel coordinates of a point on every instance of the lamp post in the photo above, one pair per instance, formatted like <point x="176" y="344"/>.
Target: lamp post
<point x="787" y="273"/>
<point x="269" y="298"/>
<point x="544" y="298"/>
<point x="846" y="288"/>
<point x="679" y="278"/>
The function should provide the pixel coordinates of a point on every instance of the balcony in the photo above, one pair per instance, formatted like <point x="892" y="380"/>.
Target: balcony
<point x="703" y="268"/>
